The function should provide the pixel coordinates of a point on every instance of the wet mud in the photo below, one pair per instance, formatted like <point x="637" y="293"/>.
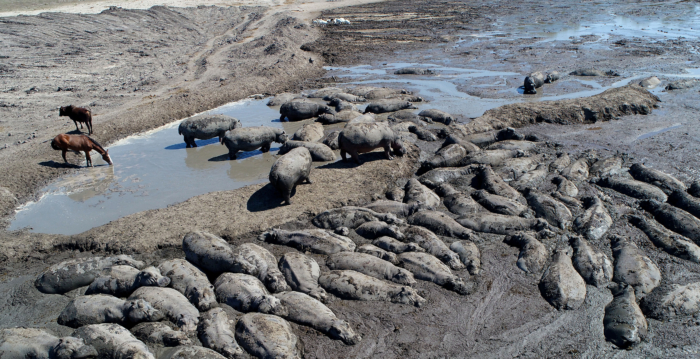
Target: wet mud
<point x="505" y="316"/>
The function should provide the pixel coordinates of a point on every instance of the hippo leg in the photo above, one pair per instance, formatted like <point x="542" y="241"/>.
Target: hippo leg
<point x="387" y="151"/>
<point x="355" y="156"/>
<point x="192" y="143"/>
<point x="342" y="155"/>
<point x="232" y="154"/>
<point x="265" y="147"/>
<point x="187" y="142"/>
<point x="308" y="180"/>
<point x="286" y="195"/>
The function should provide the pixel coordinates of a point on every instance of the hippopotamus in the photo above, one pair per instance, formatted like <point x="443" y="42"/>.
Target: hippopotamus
<point x="267" y="336"/>
<point x="215" y="332"/>
<point x="551" y="77"/>
<point x="38" y="344"/>
<point x="352" y="285"/>
<point x="289" y="170"/>
<point x="413" y="71"/>
<point x="391" y="105"/>
<point x="113" y="341"/>
<point x="533" y="254"/>
<point x="561" y="285"/>
<point x="311" y="132"/>
<point x="593" y="72"/>
<point x="191" y="282"/>
<point x="301" y="110"/>
<point x="304" y="310"/>
<point x="437" y="115"/>
<point x="246" y="293"/>
<point x="301" y="273"/>
<point x="252" y="138"/>
<point x="426" y="267"/>
<point x="204" y="127"/>
<point x="344" y="97"/>
<point x="75" y="273"/>
<point x="122" y="280"/>
<point x="365" y="137"/>
<point x="533" y="81"/>
<point x="593" y="265"/>
<point x="318" y="151"/>
<point x="102" y="308"/>
<point x="340" y="105"/>
<point x="160" y="333"/>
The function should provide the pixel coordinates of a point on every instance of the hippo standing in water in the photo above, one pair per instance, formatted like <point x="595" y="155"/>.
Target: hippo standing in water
<point x="365" y="137"/>
<point x="204" y="127"/>
<point x="391" y="105"/>
<point x="252" y="138"/>
<point x="289" y="170"/>
<point x="301" y="110"/>
<point x="533" y="81"/>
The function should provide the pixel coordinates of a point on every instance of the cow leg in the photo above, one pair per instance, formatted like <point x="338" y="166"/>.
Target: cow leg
<point x="89" y="126"/>
<point x="64" y="156"/>
<point x="87" y="157"/>
<point x="76" y="125"/>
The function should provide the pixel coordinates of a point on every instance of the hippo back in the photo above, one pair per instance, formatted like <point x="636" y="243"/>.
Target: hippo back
<point x="366" y="135"/>
<point x="209" y="126"/>
<point x="250" y="138"/>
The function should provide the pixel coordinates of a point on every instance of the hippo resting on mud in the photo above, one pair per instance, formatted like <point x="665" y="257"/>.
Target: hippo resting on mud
<point x="301" y="110"/>
<point x="391" y="105"/>
<point x="289" y="170"/>
<point x="252" y="138"/>
<point x="533" y="81"/>
<point x="204" y="127"/>
<point x="365" y="137"/>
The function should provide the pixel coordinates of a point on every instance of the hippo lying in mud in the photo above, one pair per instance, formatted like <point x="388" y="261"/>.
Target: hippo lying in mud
<point x="39" y="344"/>
<point x="252" y="138"/>
<point x="290" y="170"/>
<point x="301" y="110"/>
<point x="204" y="127"/>
<point x="391" y="105"/>
<point x="365" y="137"/>
<point x="532" y="82"/>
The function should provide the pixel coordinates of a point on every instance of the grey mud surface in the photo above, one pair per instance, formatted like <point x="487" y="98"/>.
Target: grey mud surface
<point x="223" y="59"/>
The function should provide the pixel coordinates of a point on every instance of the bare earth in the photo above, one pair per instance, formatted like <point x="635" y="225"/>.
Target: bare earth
<point x="140" y="69"/>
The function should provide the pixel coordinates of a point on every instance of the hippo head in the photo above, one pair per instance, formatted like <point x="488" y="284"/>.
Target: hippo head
<point x="340" y="329"/>
<point x="398" y="148"/>
<point x="276" y="283"/>
<point x="529" y="86"/>
<point x="342" y="231"/>
<point x="187" y="324"/>
<point x="72" y="348"/>
<point x="509" y="133"/>
<point x="271" y="305"/>
<point x="281" y="137"/>
<point x="139" y="310"/>
<point x="410" y="106"/>
<point x="202" y="298"/>
<point x="151" y="277"/>
<point x="269" y="236"/>
<point x="392" y="219"/>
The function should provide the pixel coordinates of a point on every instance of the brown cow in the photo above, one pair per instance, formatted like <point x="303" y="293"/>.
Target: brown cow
<point x="78" y="143"/>
<point x="77" y="114"/>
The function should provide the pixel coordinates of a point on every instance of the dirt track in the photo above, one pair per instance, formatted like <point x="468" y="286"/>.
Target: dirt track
<point x="155" y="80"/>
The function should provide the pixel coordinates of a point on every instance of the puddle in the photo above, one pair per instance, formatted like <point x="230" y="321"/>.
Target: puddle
<point x="654" y="133"/>
<point x="154" y="169"/>
<point x="151" y="170"/>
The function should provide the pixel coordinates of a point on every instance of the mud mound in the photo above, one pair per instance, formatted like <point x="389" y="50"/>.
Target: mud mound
<point x="615" y="102"/>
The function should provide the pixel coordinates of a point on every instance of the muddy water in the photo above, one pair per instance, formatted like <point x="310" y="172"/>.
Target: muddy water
<point x="154" y="169"/>
<point x="150" y="171"/>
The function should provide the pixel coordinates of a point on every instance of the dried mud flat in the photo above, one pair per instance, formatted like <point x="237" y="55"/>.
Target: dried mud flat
<point x="224" y="59"/>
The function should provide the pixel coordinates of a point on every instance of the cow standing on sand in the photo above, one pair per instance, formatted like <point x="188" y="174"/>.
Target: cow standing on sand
<point x="77" y="114"/>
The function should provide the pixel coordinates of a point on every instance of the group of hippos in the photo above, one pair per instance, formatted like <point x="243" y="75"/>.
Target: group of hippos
<point x="560" y="210"/>
<point x="362" y="132"/>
